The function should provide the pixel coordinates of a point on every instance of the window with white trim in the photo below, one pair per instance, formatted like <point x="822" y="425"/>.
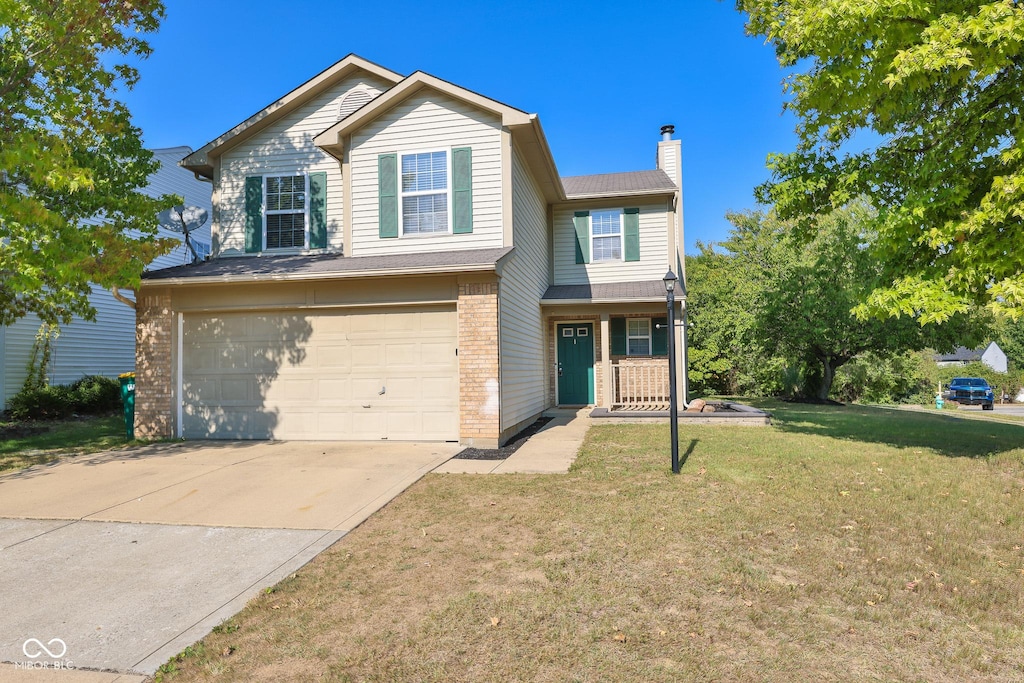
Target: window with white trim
<point x="284" y="211"/>
<point x="424" y="193"/>
<point x="638" y="336"/>
<point x="606" y="235"/>
<point x="202" y="249"/>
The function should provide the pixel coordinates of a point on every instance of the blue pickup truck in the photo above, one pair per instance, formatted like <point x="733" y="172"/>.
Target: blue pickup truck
<point x="971" y="391"/>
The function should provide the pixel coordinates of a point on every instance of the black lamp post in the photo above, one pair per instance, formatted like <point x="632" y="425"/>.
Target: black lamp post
<point x="670" y="280"/>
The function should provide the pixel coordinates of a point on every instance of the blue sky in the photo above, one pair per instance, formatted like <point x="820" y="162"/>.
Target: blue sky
<point x="603" y="76"/>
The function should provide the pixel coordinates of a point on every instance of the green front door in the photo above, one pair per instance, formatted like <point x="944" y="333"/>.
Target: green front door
<point x="575" y="363"/>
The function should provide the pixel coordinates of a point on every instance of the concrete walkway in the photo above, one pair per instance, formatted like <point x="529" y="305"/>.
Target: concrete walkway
<point x="552" y="450"/>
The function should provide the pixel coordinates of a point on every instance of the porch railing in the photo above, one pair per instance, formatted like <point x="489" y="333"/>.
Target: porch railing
<point x="640" y="386"/>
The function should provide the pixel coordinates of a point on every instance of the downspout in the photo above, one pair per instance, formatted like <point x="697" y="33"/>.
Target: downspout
<point x="122" y="298"/>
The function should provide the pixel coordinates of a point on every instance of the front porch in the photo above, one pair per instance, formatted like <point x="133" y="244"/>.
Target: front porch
<point x="610" y="352"/>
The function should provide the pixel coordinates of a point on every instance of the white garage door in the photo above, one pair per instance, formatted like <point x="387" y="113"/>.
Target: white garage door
<point x="377" y="374"/>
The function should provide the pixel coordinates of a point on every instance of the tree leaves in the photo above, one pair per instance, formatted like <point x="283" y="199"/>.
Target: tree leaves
<point x="71" y="163"/>
<point x="939" y="86"/>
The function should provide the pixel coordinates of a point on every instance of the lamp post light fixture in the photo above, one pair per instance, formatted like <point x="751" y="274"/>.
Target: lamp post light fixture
<point x="670" y="280"/>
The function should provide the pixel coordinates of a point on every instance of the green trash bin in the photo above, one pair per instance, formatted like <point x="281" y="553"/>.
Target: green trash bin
<point x="128" y="401"/>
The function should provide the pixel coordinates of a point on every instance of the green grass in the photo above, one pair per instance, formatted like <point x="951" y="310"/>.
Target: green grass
<point x="24" y="444"/>
<point x="844" y="543"/>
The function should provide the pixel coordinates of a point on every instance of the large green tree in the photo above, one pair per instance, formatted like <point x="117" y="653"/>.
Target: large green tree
<point x="933" y="89"/>
<point x="806" y="288"/>
<point x="71" y="162"/>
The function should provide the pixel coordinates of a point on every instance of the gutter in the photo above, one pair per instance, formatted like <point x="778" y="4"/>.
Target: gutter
<point x="332" y="275"/>
<point x="577" y="302"/>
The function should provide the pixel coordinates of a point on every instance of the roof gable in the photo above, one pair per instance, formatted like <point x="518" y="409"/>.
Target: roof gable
<point x="331" y="139"/>
<point x="200" y="161"/>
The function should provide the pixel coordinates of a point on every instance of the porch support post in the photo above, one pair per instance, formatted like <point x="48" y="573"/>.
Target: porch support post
<point x="605" y="400"/>
<point x="681" y="333"/>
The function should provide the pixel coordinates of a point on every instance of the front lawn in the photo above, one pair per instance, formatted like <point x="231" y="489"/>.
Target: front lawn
<point x="31" y="443"/>
<point x="844" y="543"/>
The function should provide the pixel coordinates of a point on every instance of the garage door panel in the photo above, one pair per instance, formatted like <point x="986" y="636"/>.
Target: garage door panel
<point x="367" y="355"/>
<point x="291" y="376"/>
<point x="401" y="355"/>
<point x="334" y="356"/>
<point x="334" y="389"/>
<point x="236" y="389"/>
<point x="228" y="423"/>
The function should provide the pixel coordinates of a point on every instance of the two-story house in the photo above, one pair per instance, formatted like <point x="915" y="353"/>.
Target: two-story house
<point x="397" y="258"/>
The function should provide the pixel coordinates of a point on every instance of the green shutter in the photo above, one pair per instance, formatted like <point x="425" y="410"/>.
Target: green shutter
<point x="387" y="184"/>
<point x="631" y="230"/>
<point x="659" y="337"/>
<point x="582" y="221"/>
<point x="462" y="190"/>
<point x="253" y="214"/>
<point x="317" y="210"/>
<point x="618" y="334"/>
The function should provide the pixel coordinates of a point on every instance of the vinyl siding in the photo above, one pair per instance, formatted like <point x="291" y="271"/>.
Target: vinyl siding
<point x="427" y="121"/>
<point x="523" y="282"/>
<point x="287" y="147"/>
<point x="654" y="258"/>
<point x="106" y="346"/>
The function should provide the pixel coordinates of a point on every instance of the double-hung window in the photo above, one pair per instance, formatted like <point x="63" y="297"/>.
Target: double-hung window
<point x="285" y="211"/>
<point x="638" y="336"/>
<point x="424" y="193"/>
<point x="606" y="234"/>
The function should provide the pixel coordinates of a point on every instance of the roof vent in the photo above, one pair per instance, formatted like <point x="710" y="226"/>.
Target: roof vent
<point x="666" y="132"/>
<point x="353" y="101"/>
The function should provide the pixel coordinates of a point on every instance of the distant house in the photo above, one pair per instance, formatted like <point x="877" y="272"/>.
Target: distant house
<point x="990" y="355"/>
<point x="106" y="346"/>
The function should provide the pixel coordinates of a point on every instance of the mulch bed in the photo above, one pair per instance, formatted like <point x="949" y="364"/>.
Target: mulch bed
<point x="508" y="449"/>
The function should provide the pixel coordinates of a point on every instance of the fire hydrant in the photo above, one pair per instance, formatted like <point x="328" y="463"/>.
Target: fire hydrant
<point x="938" y="401"/>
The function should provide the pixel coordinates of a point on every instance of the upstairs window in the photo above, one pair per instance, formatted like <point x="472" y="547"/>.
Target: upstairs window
<point x="424" y="193"/>
<point x="638" y="336"/>
<point x="285" y="211"/>
<point x="606" y="234"/>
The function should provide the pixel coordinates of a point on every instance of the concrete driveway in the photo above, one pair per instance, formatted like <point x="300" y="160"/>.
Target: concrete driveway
<point x="127" y="558"/>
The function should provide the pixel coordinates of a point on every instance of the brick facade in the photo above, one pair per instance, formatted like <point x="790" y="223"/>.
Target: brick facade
<point x="154" y="379"/>
<point x="479" y="388"/>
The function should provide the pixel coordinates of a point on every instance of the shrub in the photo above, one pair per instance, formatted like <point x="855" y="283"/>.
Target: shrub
<point x="48" y="403"/>
<point x="96" y="394"/>
<point x="89" y="395"/>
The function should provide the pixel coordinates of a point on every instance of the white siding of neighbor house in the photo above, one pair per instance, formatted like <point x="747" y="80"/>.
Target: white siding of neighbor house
<point x="284" y="147"/>
<point x="654" y="258"/>
<point x="994" y="358"/>
<point x="107" y="345"/>
<point x="523" y="282"/>
<point x="424" y="122"/>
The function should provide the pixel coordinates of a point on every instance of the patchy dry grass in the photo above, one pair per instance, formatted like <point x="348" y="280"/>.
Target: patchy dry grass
<point x="23" y="444"/>
<point x="842" y="544"/>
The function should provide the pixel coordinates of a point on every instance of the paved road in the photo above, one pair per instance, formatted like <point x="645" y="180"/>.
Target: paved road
<point x="127" y="558"/>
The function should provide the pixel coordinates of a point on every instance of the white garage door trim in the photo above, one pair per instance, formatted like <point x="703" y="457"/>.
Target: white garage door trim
<point x="338" y="374"/>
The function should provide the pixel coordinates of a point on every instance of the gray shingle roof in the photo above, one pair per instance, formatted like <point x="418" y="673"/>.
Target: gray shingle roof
<point x="962" y="353"/>
<point x="262" y="267"/>
<point x="651" y="289"/>
<point x="616" y="184"/>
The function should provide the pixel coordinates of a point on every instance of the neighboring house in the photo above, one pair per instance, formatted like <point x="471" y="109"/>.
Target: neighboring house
<point x="396" y="257"/>
<point x="990" y="355"/>
<point x="107" y="345"/>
